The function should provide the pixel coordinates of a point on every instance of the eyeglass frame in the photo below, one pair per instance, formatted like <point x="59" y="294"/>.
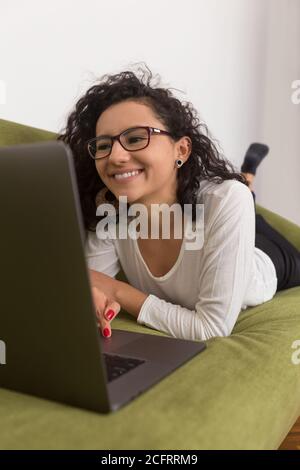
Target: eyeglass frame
<point x="150" y="130"/>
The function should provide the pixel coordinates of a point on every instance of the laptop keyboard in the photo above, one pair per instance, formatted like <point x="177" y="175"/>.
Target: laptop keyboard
<point x="119" y="365"/>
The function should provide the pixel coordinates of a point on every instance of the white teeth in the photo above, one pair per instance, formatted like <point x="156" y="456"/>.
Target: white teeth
<point x="126" y="175"/>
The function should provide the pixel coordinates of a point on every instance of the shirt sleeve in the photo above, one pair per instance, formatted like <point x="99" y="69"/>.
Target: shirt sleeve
<point x="101" y="255"/>
<point x="227" y="261"/>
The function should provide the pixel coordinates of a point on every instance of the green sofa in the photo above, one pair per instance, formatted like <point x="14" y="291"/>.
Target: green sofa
<point x="242" y="392"/>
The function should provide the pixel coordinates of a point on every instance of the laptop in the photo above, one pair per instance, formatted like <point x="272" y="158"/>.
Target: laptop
<point x="53" y="346"/>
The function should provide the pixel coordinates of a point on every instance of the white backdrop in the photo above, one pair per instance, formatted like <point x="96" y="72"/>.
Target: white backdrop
<point x="222" y="55"/>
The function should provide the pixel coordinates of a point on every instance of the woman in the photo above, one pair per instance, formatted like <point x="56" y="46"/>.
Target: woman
<point x="190" y="294"/>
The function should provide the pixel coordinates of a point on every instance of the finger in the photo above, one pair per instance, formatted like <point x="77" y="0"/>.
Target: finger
<point x="112" y="310"/>
<point x="100" y="301"/>
<point x="103" y="323"/>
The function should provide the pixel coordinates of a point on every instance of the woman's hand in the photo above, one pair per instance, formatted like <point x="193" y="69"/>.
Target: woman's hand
<point x="105" y="283"/>
<point x="106" y="310"/>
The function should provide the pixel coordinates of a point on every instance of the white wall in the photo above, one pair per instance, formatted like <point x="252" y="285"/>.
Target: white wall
<point x="278" y="178"/>
<point x="212" y="50"/>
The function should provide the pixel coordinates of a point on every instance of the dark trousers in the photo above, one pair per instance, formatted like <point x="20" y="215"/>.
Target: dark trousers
<point x="285" y="256"/>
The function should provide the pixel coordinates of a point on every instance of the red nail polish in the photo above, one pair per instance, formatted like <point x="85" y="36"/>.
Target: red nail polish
<point x="106" y="332"/>
<point x="110" y="314"/>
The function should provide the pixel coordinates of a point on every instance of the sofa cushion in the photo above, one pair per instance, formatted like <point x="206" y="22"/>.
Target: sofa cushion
<point x="12" y="133"/>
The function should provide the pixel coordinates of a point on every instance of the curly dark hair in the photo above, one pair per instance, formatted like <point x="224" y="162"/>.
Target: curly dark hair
<point x="179" y="118"/>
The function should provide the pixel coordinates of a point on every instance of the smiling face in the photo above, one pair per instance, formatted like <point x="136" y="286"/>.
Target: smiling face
<point x="157" y="182"/>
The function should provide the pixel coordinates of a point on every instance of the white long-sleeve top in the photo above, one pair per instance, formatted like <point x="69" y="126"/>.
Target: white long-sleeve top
<point x="205" y="291"/>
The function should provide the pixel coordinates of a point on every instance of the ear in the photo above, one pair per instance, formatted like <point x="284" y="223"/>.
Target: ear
<point x="184" y="148"/>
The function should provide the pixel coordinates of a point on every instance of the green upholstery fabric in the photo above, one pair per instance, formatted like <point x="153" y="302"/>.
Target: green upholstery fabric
<point x="12" y="133"/>
<point x="242" y="392"/>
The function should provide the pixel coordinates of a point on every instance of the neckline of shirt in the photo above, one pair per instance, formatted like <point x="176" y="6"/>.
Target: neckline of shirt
<point x="171" y="271"/>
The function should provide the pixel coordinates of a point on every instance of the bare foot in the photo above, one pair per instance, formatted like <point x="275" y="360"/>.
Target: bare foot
<point x="250" y="178"/>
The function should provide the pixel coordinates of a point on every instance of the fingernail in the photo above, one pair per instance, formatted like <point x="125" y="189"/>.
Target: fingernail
<point x="106" y="332"/>
<point x="110" y="314"/>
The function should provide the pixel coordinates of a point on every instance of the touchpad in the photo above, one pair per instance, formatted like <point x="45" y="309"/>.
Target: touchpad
<point x="118" y="339"/>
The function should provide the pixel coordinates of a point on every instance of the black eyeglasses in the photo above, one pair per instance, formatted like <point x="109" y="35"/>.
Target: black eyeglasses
<point x="133" y="139"/>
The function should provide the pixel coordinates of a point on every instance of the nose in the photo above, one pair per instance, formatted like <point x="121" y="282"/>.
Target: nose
<point x="118" y="153"/>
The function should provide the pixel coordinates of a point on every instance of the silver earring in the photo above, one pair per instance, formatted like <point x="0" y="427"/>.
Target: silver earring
<point x="179" y="163"/>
